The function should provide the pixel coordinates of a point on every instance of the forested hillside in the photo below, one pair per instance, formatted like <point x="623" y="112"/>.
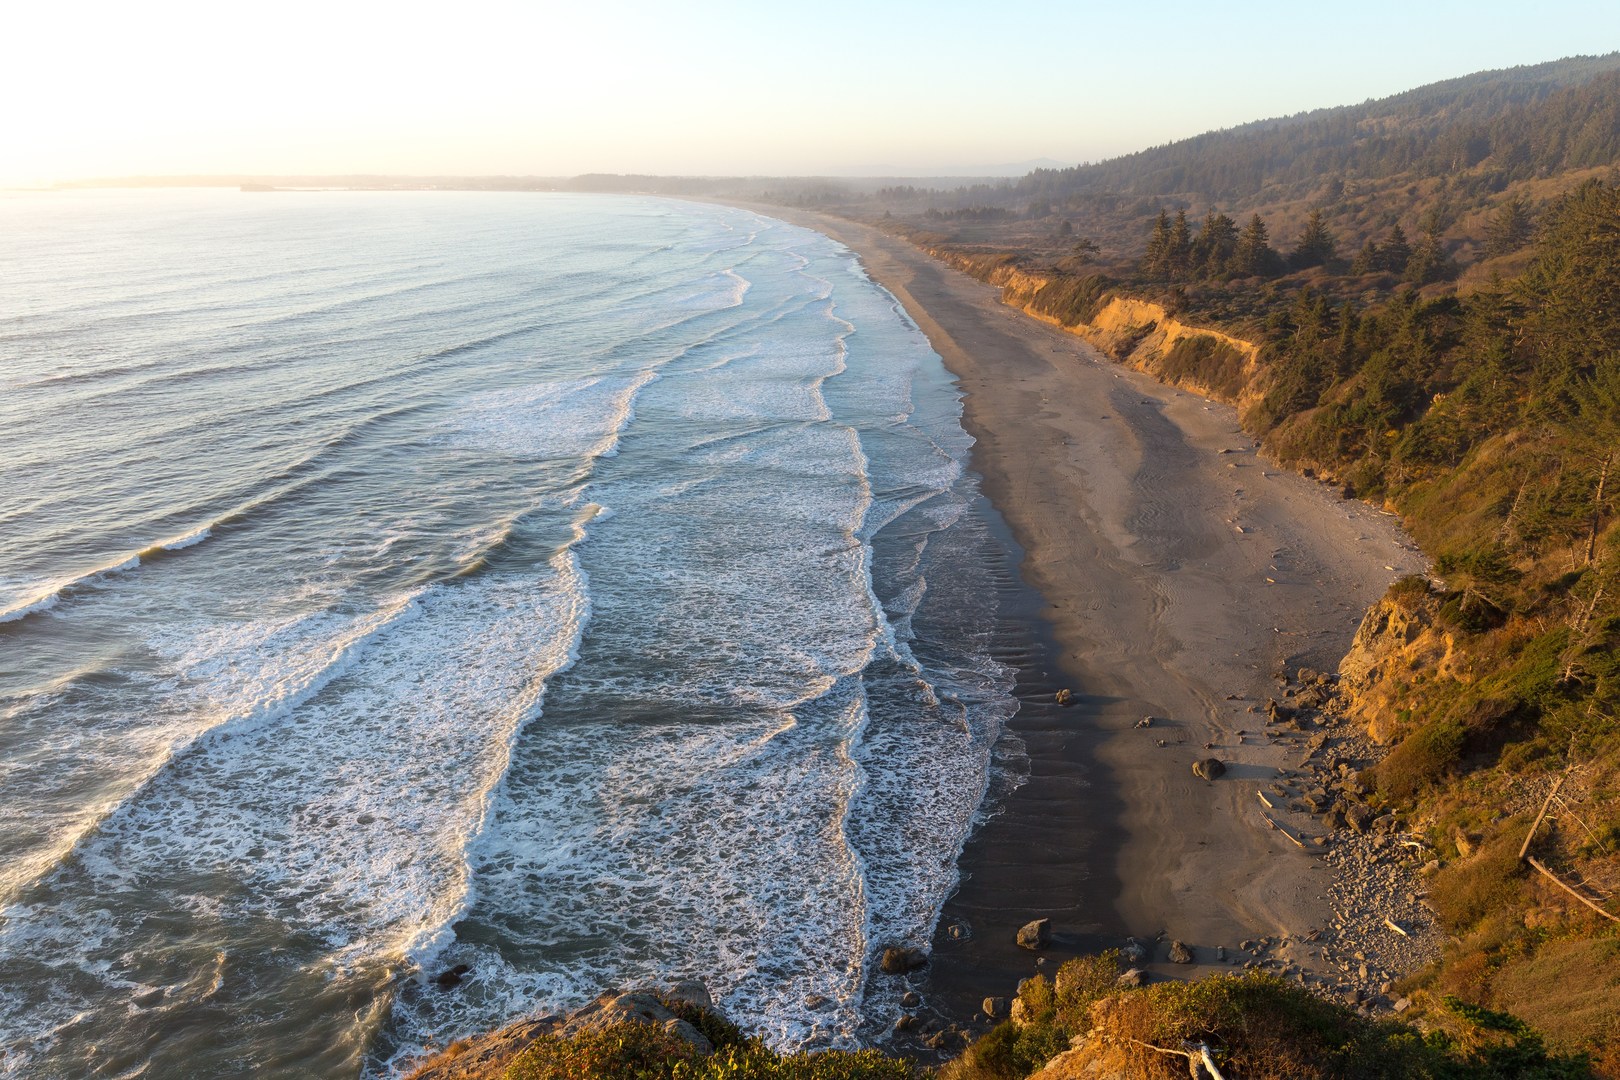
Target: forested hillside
<point x="1525" y="122"/>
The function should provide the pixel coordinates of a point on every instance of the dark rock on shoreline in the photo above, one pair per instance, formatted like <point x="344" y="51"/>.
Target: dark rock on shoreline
<point x="1035" y="935"/>
<point x="899" y="959"/>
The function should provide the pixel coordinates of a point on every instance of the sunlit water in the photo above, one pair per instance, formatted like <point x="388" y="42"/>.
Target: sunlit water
<point x="582" y="589"/>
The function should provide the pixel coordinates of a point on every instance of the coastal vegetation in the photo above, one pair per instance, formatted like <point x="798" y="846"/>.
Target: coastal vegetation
<point x="1081" y="1024"/>
<point x="1418" y="301"/>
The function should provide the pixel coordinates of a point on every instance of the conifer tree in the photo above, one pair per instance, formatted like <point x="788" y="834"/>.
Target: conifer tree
<point x="1155" y="264"/>
<point x="1316" y="245"/>
<point x="1213" y="248"/>
<point x="1254" y="256"/>
<point x="1395" y="252"/>
<point x="1368" y="259"/>
<point x="1178" y="248"/>
<point x="1508" y="229"/>
<point x="1428" y="261"/>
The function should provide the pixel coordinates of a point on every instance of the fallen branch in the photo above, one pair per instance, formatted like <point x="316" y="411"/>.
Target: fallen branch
<point x="1524" y="849"/>
<point x="1395" y="926"/>
<point x="1571" y="890"/>
<point x="1197" y="1053"/>
<point x="1265" y="802"/>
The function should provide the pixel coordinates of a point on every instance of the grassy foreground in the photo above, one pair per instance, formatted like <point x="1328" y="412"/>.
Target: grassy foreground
<point x="1082" y="1024"/>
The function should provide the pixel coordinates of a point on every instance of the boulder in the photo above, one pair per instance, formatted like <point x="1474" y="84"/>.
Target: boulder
<point x="1208" y="768"/>
<point x="1180" y="953"/>
<point x="1131" y="979"/>
<point x="899" y="959"/>
<point x="637" y="1007"/>
<point x="995" y="1007"/>
<point x="691" y="991"/>
<point x="910" y="999"/>
<point x="905" y="1022"/>
<point x="1063" y="696"/>
<point x="1134" y="951"/>
<point x="449" y="980"/>
<point x="1035" y="935"/>
<point x="1358" y="816"/>
<point x="684" y="1031"/>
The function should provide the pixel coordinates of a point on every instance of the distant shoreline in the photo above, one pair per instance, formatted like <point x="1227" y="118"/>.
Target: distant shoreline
<point x="1124" y="495"/>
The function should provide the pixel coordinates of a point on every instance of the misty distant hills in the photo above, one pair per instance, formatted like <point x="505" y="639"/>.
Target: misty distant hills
<point x="1511" y="124"/>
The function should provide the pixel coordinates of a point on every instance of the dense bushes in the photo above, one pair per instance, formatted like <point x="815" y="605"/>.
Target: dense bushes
<point x="643" y="1052"/>
<point x="1207" y="361"/>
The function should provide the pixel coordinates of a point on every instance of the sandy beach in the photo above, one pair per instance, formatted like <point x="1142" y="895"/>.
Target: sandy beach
<point x="1178" y="573"/>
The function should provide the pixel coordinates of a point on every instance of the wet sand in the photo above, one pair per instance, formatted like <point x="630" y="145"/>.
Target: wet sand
<point x="1177" y="573"/>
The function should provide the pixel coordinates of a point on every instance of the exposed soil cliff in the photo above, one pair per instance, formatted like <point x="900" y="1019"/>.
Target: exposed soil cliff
<point x="1139" y="333"/>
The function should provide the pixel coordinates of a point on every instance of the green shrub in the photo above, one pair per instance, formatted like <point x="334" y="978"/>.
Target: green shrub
<point x="1420" y="759"/>
<point x="1208" y="361"/>
<point x="1079" y="984"/>
<point x="643" y="1052"/>
<point x="1466" y="891"/>
<point x="623" y="1051"/>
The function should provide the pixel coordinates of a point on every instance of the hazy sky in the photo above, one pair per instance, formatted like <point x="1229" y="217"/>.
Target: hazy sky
<point x="489" y="86"/>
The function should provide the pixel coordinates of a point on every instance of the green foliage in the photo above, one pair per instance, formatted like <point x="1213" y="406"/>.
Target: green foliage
<point x="1509" y="227"/>
<point x="1208" y="361"/>
<point x="644" y="1052"/>
<point x="1258" y="1025"/>
<point x="1071" y="299"/>
<point x="1516" y="1052"/>
<point x="1316" y="244"/>
<point x="627" y="1051"/>
<point x="1254" y="256"/>
<point x="1488" y="882"/>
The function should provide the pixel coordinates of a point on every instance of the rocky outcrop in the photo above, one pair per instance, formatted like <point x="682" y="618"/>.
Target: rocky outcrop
<point x="1398" y="635"/>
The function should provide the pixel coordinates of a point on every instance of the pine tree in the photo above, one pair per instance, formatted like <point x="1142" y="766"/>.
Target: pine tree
<point x="1396" y="251"/>
<point x="1367" y="260"/>
<point x="1213" y="248"/>
<point x="1155" y="264"/>
<point x="1509" y="228"/>
<point x="1428" y="261"/>
<point x="1178" y="249"/>
<point x="1316" y="245"/>
<point x="1254" y="256"/>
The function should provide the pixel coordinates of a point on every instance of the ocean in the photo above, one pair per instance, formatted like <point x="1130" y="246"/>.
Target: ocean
<point x="586" y="590"/>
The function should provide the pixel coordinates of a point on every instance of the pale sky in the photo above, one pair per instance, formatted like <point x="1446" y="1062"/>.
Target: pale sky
<point x="143" y="87"/>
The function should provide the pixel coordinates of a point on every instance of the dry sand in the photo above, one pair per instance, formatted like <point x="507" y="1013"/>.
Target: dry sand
<point x="1179" y="573"/>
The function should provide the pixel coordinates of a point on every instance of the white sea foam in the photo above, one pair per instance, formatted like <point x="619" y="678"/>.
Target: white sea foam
<point x="572" y="419"/>
<point x="44" y="597"/>
<point x="320" y="757"/>
<point x="342" y="815"/>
